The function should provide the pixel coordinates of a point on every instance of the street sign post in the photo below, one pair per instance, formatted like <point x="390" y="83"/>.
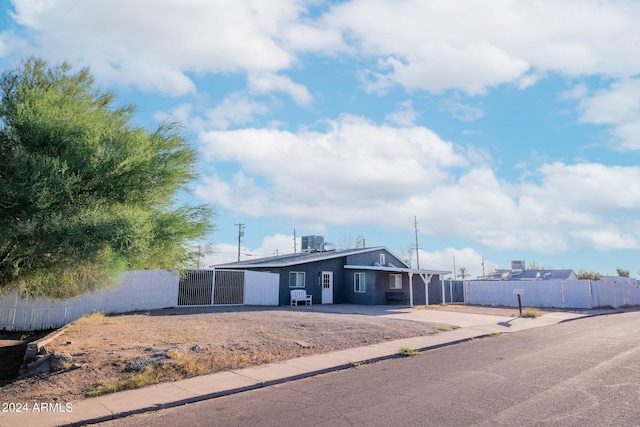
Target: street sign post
<point x="519" y="292"/>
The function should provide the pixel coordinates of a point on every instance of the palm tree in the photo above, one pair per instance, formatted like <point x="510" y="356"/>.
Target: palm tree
<point x="462" y="273"/>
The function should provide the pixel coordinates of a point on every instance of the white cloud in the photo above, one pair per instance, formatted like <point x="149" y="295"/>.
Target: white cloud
<point x="579" y="91"/>
<point x="10" y="42"/>
<point x="470" y="46"/>
<point x="235" y="109"/>
<point x="619" y="108"/>
<point x="466" y="258"/>
<point x="357" y="172"/>
<point x="473" y="45"/>
<point x="404" y="116"/>
<point x="605" y="240"/>
<point x="277" y="244"/>
<point x="269" y="82"/>
<point x="154" y="44"/>
<point x="459" y="109"/>
<point x="339" y="175"/>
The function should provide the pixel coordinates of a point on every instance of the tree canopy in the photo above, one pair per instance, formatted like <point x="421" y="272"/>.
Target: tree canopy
<point x="84" y="193"/>
<point x="622" y="272"/>
<point x="587" y="274"/>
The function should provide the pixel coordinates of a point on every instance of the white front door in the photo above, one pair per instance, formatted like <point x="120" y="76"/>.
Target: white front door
<point x="327" y="287"/>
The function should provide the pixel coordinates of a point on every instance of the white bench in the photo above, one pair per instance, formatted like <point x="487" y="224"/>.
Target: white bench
<point x="300" y="295"/>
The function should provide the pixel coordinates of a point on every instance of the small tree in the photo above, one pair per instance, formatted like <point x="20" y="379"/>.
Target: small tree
<point x="462" y="273"/>
<point x="84" y="194"/>
<point x="590" y="275"/>
<point x="348" y="241"/>
<point x="622" y="272"/>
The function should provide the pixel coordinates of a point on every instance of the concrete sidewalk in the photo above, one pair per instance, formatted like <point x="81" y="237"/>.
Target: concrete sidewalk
<point x="196" y="389"/>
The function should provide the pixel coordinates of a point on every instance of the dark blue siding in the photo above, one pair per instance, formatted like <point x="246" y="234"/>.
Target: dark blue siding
<point x="377" y="283"/>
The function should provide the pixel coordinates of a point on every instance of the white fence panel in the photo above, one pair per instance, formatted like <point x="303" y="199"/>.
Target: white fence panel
<point x="540" y="293"/>
<point x="616" y="291"/>
<point x="610" y="291"/>
<point x="139" y="290"/>
<point x="576" y="294"/>
<point x="261" y="288"/>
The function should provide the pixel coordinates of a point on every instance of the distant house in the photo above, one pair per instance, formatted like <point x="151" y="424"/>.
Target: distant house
<point x="353" y="276"/>
<point x="519" y="272"/>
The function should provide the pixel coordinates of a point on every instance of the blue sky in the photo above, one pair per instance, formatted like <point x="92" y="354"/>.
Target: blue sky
<point x="508" y="129"/>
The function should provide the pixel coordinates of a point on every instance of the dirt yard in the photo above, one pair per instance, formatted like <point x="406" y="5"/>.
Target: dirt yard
<point x="102" y="354"/>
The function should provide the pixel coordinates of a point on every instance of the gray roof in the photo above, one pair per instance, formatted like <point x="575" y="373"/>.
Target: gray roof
<point x="563" y="274"/>
<point x="298" y="258"/>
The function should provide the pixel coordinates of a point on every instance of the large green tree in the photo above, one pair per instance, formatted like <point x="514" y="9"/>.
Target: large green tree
<point x="84" y="193"/>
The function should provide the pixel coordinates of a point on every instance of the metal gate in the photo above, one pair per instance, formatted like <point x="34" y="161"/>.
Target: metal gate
<point x="208" y="287"/>
<point x="453" y="292"/>
<point x="228" y="287"/>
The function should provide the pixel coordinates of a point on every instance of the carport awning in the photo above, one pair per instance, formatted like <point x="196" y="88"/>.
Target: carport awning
<point x="397" y="269"/>
<point x="425" y="275"/>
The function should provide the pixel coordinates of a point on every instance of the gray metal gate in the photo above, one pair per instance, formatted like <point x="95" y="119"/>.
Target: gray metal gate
<point x="229" y="287"/>
<point x="453" y="292"/>
<point x="195" y="287"/>
<point x="209" y="287"/>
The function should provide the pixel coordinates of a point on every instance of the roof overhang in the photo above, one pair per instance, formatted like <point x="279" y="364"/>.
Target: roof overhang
<point x="278" y="262"/>
<point x="396" y="269"/>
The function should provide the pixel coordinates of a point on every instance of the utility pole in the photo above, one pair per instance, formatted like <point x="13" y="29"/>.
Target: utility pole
<point x="454" y="266"/>
<point x="295" y="248"/>
<point x="415" y="226"/>
<point x="483" y="266"/>
<point x="240" y="235"/>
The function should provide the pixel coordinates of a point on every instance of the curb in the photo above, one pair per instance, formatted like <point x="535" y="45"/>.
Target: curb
<point x="34" y="347"/>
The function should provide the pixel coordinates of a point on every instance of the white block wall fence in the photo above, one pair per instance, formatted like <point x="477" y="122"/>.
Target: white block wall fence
<point x="610" y="291"/>
<point x="139" y="290"/>
<point x="261" y="288"/>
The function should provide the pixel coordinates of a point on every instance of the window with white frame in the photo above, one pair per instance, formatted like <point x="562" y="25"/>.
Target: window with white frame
<point x="296" y="279"/>
<point x="382" y="259"/>
<point x="358" y="282"/>
<point x="395" y="281"/>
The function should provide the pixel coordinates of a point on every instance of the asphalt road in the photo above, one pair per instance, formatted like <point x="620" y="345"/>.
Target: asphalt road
<point x="580" y="373"/>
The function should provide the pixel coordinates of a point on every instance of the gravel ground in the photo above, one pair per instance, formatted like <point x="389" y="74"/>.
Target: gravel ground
<point x="179" y="343"/>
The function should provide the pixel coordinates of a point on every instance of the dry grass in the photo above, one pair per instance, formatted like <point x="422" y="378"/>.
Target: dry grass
<point x="182" y="365"/>
<point x="98" y="318"/>
<point x="531" y="312"/>
<point x="443" y="329"/>
<point x="408" y="352"/>
<point x="429" y="307"/>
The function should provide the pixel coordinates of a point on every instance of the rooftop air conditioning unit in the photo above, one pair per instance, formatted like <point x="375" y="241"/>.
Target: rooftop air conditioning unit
<point x="312" y="243"/>
<point x="517" y="266"/>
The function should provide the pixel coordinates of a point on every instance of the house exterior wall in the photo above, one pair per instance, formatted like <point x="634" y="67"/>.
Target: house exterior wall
<point x="370" y="258"/>
<point x="312" y="271"/>
<point x="376" y="282"/>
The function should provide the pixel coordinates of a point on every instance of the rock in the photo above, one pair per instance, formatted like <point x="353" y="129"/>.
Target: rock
<point x="41" y="364"/>
<point x="303" y="344"/>
<point x="61" y="361"/>
<point x="138" y="364"/>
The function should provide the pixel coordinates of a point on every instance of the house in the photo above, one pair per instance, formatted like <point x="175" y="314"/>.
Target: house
<point x="353" y="276"/>
<point x="519" y="272"/>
